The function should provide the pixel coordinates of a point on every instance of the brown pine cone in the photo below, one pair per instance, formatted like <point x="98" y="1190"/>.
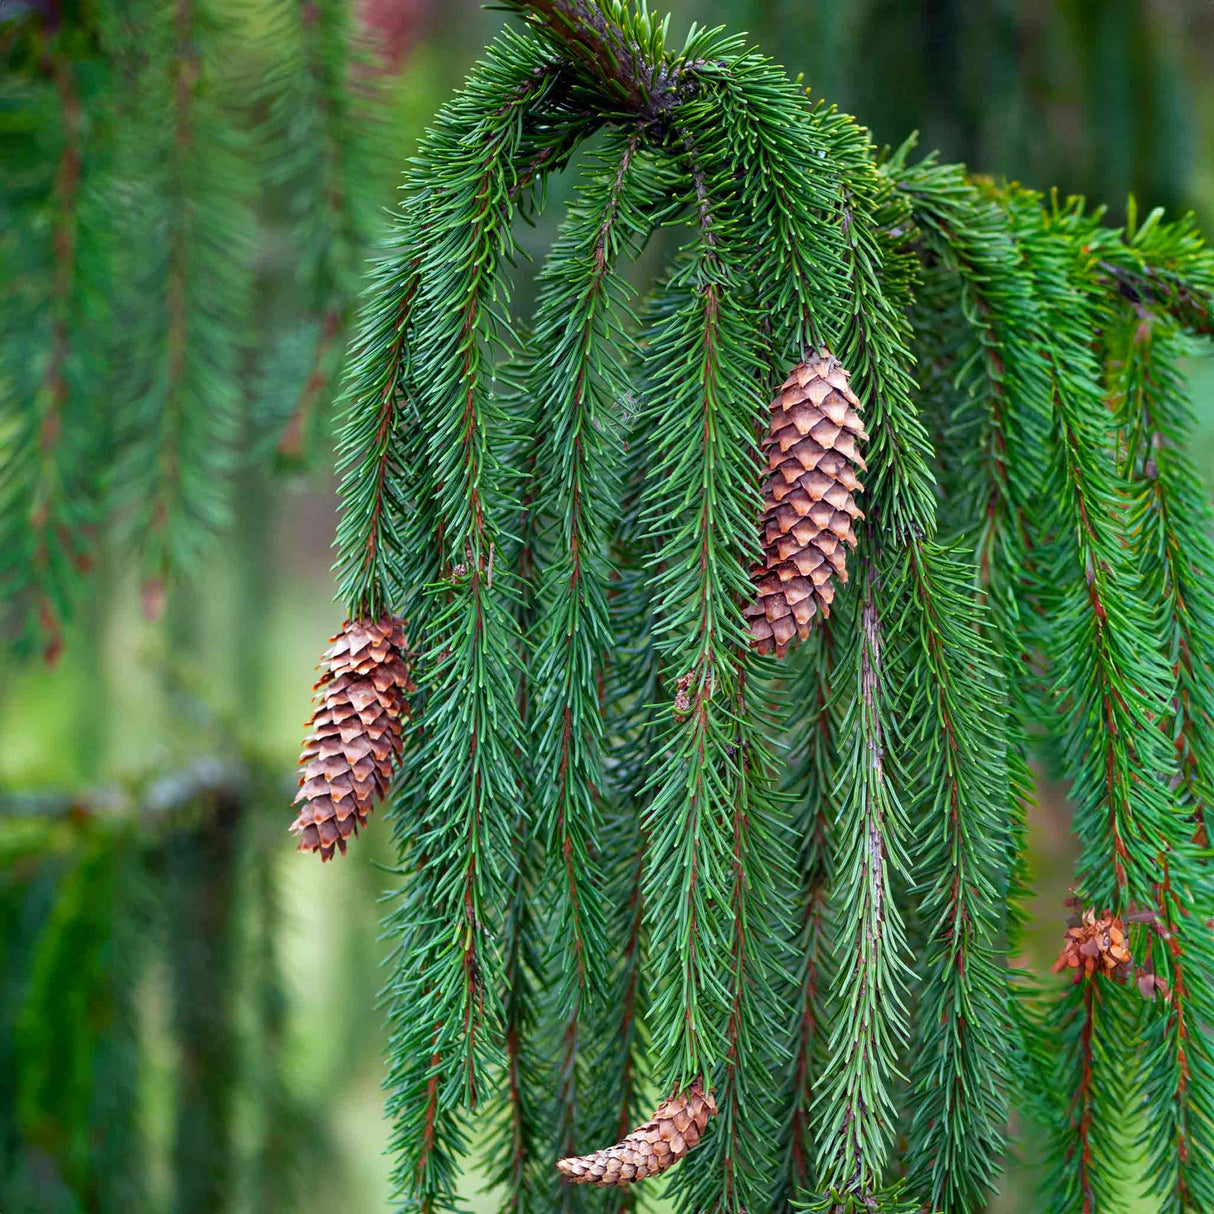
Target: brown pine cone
<point x="1095" y="945"/>
<point x="677" y="1126"/>
<point x="347" y="759"/>
<point x="809" y="508"/>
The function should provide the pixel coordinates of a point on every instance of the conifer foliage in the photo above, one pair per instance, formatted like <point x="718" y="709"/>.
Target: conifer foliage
<point x="140" y="142"/>
<point x="642" y="834"/>
<point x="740" y="597"/>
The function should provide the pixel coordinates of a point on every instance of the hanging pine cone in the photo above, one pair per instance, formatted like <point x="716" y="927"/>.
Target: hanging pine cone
<point x="809" y="508"/>
<point x="677" y="1126"/>
<point x="355" y="736"/>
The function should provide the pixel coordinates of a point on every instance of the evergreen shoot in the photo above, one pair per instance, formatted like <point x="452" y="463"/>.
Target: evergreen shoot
<point x="641" y="832"/>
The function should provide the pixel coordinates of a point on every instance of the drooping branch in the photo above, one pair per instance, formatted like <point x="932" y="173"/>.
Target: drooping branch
<point x="700" y="881"/>
<point x="811" y="782"/>
<point x="45" y="512"/>
<point x="1170" y="531"/>
<point x="715" y="868"/>
<point x="788" y="186"/>
<point x="869" y="1019"/>
<point x="328" y="141"/>
<point x="1001" y="421"/>
<point x="961" y="858"/>
<point x="52" y="482"/>
<point x="367" y="533"/>
<point x="1086" y="1096"/>
<point x="461" y="810"/>
<point x="1109" y="684"/>
<point x="574" y="371"/>
<point x="854" y="1105"/>
<point x="179" y="360"/>
<point x="1123" y="816"/>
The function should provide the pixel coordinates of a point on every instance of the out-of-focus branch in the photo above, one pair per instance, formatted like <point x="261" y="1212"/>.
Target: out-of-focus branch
<point x="209" y="777"/>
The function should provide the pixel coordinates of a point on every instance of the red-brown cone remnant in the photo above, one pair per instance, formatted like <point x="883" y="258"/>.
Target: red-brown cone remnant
<point x="347" y="758"/>
<point x="1095" y="945"/>
<point x="806" y="526"/>
<point x="677" y="1126"/>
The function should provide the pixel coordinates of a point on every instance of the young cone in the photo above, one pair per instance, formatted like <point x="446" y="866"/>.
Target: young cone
<point x="355" y="736"/>
<point x="650" y="1149"/>
<point x="809" y="507"/>
<point x="1095" y="944"/>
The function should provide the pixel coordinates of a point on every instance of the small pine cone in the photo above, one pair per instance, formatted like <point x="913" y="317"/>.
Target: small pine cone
<point x="677" y="1126"/>
<point x="347" y="758"/>
<point x="1095" y="945"/>
<point x="809" y="508"/>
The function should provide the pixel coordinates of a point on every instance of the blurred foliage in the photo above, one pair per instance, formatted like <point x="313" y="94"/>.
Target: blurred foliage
<point x="187" y="1011"/>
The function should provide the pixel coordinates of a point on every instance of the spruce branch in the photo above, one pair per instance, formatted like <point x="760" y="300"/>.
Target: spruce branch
<point x="811" y="782"/>
<point x="714" y="834"/>
<point x="368" y="446"/>
<point x="518" y="1125"/>
<point x="637" y="718"/>
<point x="54" y="388"/>
<point x="326" y="146"/>
<point x="590" y="760"/>
<point x="575" y="371"/>
<point x="180" y="416"/>
<point x="684" y="815"/>
<point x="1169" y="524"/>
<point x="960" y="860"/>
<point x="996" y="431"/>
<point x="877" y="230"/>
<point x="50" y="487"/>
<point x="967" y="234"/>
<point x="1109" y="683"/>
<point x="444" y="993"/>
<point x="1175" y="1066"/>
<point x="868" y="999"/>
<point x="387" y="521"/>
<point x="1171" y="519"/>
<point x="515" y="1110"/>
<point x="789" y="187"/>
<point x="1079" y="1041"/>
<point x="576" y="368"/>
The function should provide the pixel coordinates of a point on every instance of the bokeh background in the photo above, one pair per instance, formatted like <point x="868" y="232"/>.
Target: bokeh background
<point x="187" y="1006"/>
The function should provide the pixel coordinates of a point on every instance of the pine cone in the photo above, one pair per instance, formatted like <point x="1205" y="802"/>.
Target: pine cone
<point x="355" y="732"/>
<point x="677" y="1126"/>
<point x="812" y="460"/>
<point x="1095" y="945"/>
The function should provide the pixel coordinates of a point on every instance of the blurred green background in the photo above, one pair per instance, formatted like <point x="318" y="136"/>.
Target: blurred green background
<point x="169" y="743"/>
